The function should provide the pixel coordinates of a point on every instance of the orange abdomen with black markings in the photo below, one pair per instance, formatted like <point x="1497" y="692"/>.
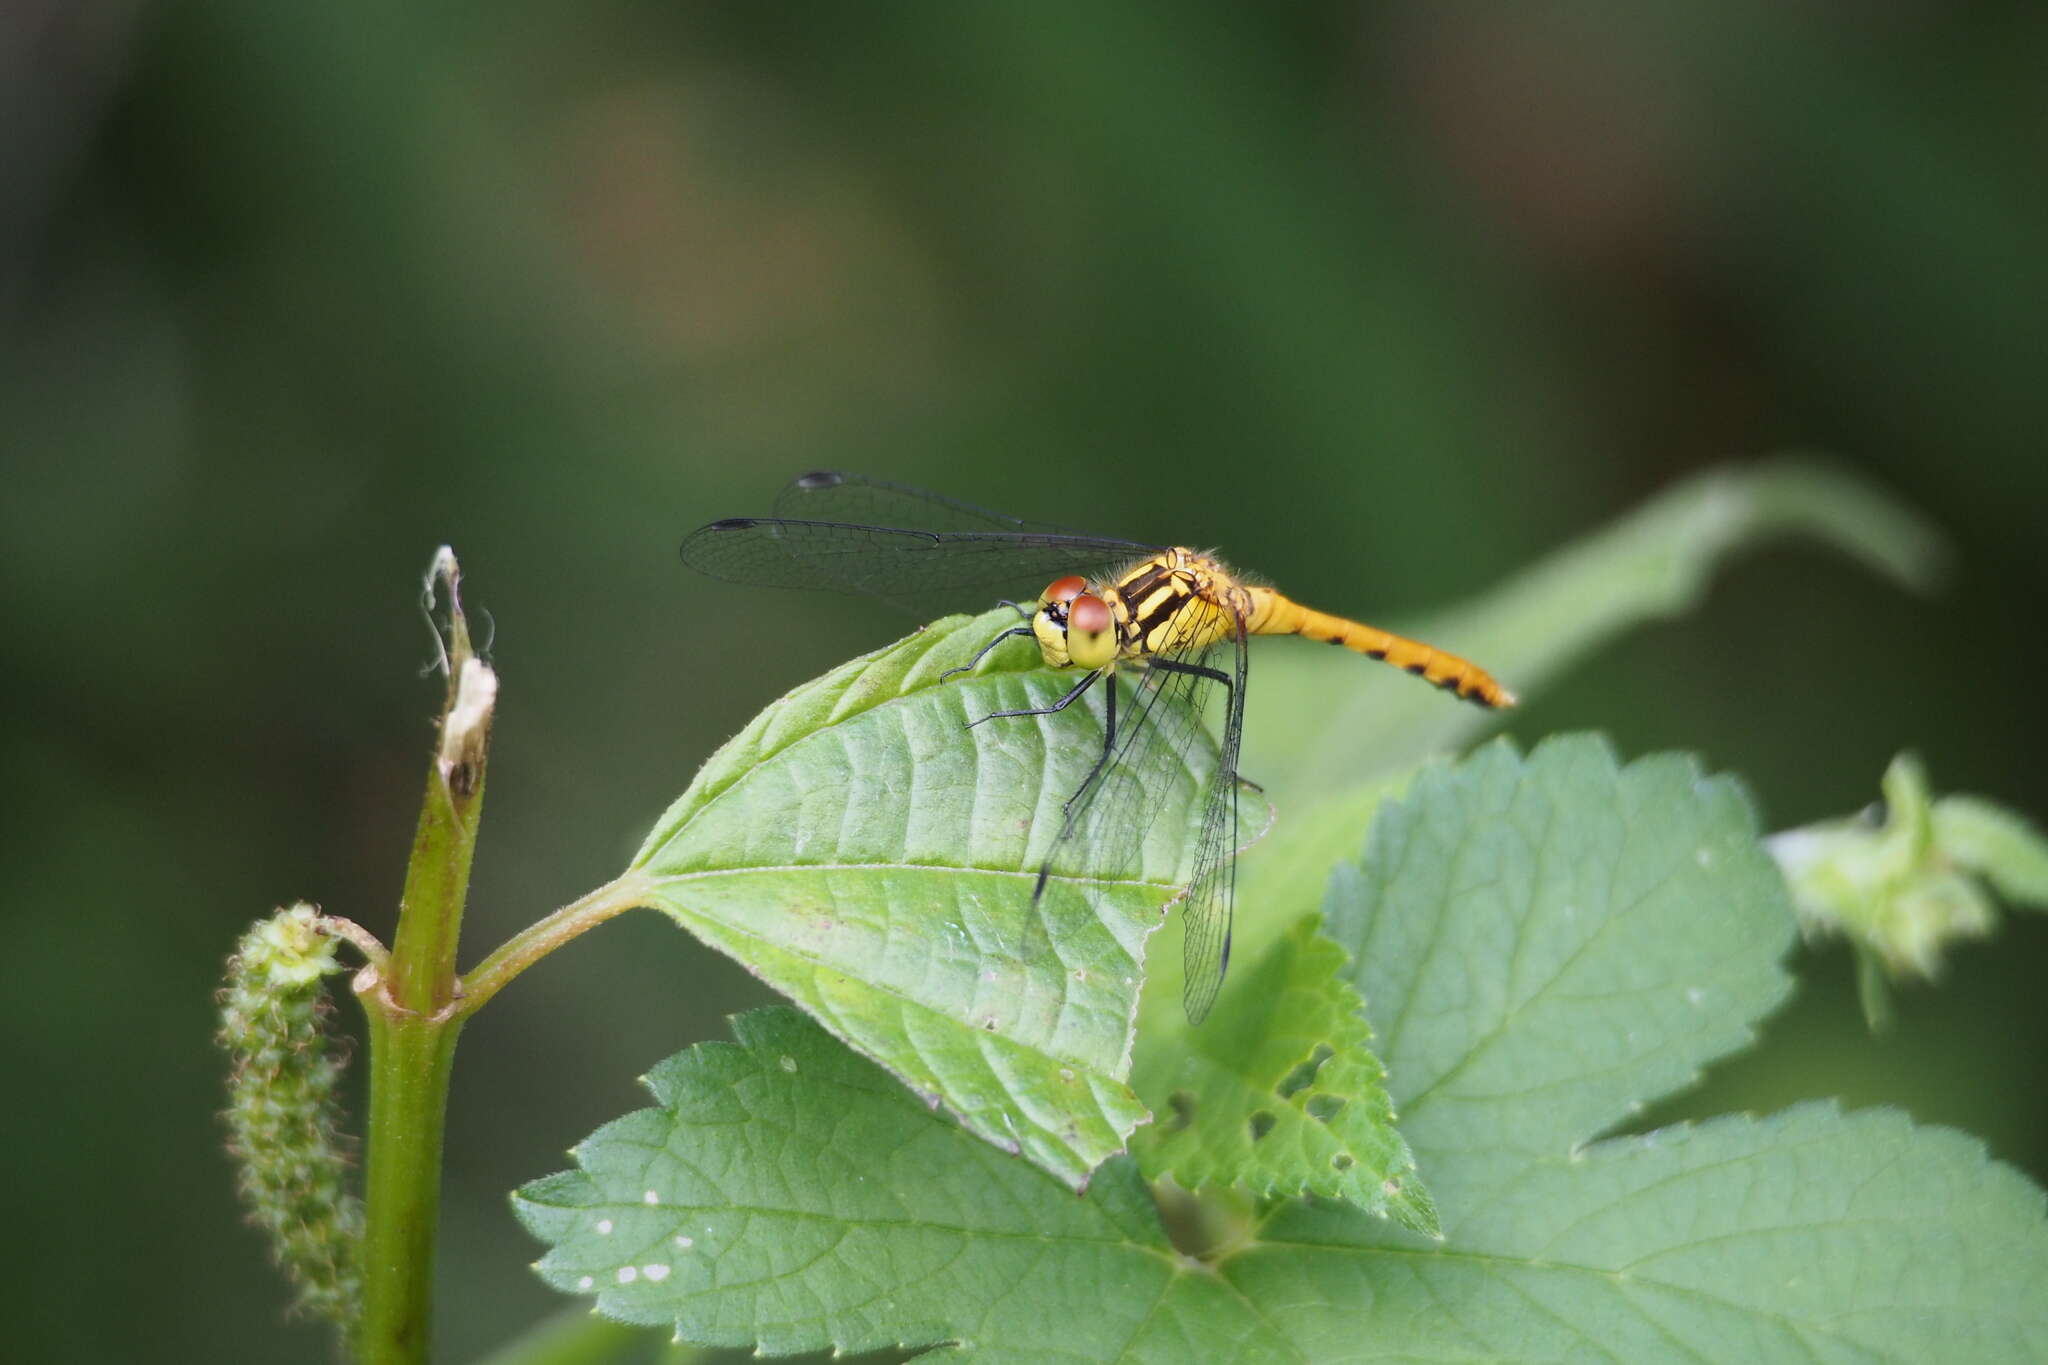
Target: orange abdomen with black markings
<point x="1274" y="613"/>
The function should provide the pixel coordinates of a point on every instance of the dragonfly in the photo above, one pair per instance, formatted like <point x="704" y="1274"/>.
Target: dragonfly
<point x="1175" y="621"/>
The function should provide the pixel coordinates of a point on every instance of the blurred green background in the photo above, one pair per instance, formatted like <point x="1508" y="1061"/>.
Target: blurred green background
<point x="1387" y="299"/>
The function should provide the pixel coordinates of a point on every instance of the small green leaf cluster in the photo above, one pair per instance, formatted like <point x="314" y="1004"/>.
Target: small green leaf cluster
<point x="1279" y="1091"/>
<point x="284" y="1124"/>
<point x="1906" y="883"/>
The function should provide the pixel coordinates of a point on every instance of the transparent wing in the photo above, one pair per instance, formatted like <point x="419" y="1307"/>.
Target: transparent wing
<point x="943" y="547"/>
<point x="831" y="495"/>
<point x="1211" y="899"/>
<point x="1110" y="819"/>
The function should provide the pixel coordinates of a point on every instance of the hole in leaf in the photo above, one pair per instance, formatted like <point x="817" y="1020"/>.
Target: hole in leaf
<point x="1304" y="1075"/>
<point x="1262" y="1124"/>
<point x="1182" y="1103"/>
<point x="1323" y="1108"/>
<point x="1343" y="1161"/>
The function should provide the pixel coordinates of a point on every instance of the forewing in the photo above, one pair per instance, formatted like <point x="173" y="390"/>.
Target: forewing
<point x="832" y="495"/>
<point x="918" y="550"/>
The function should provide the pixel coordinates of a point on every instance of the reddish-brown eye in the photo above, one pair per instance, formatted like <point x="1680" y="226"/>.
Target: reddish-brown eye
<point x="1066" y="589"/>
<point x="1089" y="615"/>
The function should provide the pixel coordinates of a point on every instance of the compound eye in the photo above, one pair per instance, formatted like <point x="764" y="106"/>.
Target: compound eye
<point x="1064" y="589"/>
<point x="1091" y="633"/>
<point x="1088" y="615"/>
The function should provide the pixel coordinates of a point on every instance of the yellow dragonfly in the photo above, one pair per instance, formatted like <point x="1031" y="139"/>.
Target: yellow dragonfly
<point x="1175" y="621"/>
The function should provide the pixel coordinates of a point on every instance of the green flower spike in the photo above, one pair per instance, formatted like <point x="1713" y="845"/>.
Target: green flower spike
<point x="283" y="1120"/>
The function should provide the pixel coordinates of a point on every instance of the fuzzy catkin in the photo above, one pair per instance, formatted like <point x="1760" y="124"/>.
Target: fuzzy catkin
<point x="284" y="1128"/>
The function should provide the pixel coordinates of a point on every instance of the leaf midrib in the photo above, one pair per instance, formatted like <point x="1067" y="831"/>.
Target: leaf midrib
<point x="1165" y="1255"/>
<point x="666" y="878"/>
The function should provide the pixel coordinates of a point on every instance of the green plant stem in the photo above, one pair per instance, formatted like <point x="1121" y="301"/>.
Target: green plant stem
<point x="537" y="940"/>
<point x="410" y="1060"/>
<point x="411" y="1055"/>
<point x="412" y="1049"/>
<point x="413" y="1030"/>
<point x="421" y="977"/>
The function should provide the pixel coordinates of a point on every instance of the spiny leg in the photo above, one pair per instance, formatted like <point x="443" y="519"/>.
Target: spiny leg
<point x="1108" y="748"/>
<point x="968" y="667"/>
<point x="1062" y="704"/>
<point x="1198" y="670"/>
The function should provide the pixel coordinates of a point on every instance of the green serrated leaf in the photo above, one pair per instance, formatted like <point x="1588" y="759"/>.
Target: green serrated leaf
<point x="870" y="856"/>
<point x="1548" y="944"/>
<point x="1802" y="1237"/>
<point x="1279" y="1092"/>
<point x="789" y="1196"/>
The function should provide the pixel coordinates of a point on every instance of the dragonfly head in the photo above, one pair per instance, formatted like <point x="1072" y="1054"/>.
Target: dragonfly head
<point x="1074" y="628"/>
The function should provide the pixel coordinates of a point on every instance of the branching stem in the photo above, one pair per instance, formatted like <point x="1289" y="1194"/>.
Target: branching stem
<point x="537" y="940"/>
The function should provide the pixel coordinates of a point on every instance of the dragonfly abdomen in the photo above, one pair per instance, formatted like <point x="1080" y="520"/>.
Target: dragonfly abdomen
<point x="1274" y="613"/>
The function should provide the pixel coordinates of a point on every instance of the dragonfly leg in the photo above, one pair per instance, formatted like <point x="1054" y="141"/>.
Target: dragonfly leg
<point x="1026" y="612"/>
<point x="1108" y="748"/>
<point x="968" y="667"/>
<point x="1062" y="704"/>
<point x="1198" y="670"/>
